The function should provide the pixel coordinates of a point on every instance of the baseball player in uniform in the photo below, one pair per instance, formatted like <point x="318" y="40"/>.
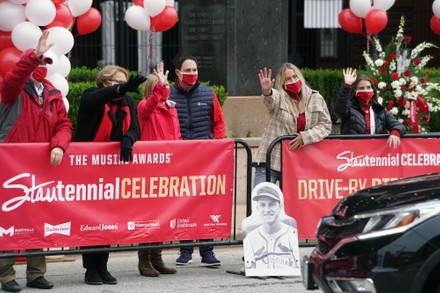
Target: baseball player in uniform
<point x="273" y="245"/>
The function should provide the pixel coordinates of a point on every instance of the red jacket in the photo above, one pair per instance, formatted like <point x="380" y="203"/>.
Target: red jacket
<point x="157" y="120"/>
<point x="22" y="118"/>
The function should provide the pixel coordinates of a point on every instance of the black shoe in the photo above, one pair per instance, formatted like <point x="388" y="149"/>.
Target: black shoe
<point x="92" y="278"/>
<point x="108" y="279"/>
<point x="40" y="283"/>
<point x="11" y="286"/>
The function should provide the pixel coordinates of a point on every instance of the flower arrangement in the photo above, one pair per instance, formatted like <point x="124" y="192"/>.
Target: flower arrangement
<point x="402" y="81"/>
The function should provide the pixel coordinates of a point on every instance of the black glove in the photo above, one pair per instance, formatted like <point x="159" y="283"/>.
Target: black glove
<point x="132" y="84"/>
<point x="126" y="148"/>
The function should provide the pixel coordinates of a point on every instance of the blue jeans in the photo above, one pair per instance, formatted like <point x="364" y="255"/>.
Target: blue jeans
<point x="202" y="249"/>
<point x="260" y="175"/>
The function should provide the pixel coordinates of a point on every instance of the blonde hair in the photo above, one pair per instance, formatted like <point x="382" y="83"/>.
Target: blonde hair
<point x="149" y="85"/>
<point x="107" y="72"/>
<point x="296" y="108"/>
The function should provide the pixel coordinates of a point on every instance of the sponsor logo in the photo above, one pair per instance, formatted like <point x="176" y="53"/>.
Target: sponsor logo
<point x="151" y="224"/>
<point x="173" y="223"/>
<point x="99" y="227"/>
<point x="63" y="229"/>
<point x="215" y="221"/>
<point x="11" y="231"/>
<point x="215" y="218"/>
<point x="182" y="223"/>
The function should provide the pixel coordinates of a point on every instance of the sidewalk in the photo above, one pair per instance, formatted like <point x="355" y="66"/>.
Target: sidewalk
<point x="68" y="276"/>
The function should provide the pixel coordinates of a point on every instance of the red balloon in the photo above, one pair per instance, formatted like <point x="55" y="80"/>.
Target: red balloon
<point x="376" y="20"/>
<point x="164" y="20"/>
<point x="435" y="24"/>
<point x="89" y="22"/>
<point x="5" y="40"/>
<point x="8" y="58"/>
<point x="58" y="2"/>
<point x="349" y="21"/>
<point x="138" y="2"/>
<point x="62" y="18"/>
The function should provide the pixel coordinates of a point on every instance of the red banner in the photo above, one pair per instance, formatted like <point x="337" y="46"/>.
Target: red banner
<point x="316" y="177"/>
<point x="173" y="190"/>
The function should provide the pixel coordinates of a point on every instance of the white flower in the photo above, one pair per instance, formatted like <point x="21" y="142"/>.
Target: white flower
<point x="378" y="62"/>
<point x="397" y="93"/>
<point x="380" y="100"/>
<point x="406" y="112"/>
<point x="394" y="111"/>
<point x="395" y="84"/>
<point x="381" y="85"/>
<point x="392" y="65"/>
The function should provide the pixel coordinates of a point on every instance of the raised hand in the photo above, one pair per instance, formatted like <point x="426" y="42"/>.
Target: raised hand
<point x="349" y="75"/>
<point x="161" y="76"/>
<point x="43" y="46"/>
<point x="266" y="81"/>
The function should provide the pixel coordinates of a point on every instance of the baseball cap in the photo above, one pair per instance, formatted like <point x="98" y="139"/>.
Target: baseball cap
<point x="47" y="59"/>
<point x="267" y="191"/>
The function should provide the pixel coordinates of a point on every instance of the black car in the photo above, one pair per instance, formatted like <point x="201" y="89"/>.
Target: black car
<point x="384" y="238"/>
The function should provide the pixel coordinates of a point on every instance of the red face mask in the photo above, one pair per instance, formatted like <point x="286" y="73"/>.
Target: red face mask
<point x="364" y="96"/>
<point x="189" y="79"/>
<point x="39" y="73"/>
<point x="293" y="88"/>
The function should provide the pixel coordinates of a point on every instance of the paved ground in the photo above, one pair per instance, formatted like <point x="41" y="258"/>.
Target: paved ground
<point x="68" y="276"/>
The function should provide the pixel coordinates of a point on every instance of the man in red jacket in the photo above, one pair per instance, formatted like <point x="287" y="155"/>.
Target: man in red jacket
<point x="32" y="110"/>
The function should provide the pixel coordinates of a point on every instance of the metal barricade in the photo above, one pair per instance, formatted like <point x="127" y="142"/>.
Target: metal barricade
<point x="235" y="239"/>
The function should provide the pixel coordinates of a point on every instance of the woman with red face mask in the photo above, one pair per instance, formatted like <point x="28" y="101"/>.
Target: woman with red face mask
<point x="360" y="112"/>
<point x="294" y="109"/>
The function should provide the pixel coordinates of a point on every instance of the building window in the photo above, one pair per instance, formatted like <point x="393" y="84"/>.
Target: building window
<point x="328" y="48"/>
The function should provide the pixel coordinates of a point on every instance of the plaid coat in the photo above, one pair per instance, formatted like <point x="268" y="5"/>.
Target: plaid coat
<point x="281" y="122"/>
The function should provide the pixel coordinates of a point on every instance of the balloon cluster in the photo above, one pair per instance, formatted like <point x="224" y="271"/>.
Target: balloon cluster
<point x="435" y="19"/>
<point x="153" y="15"/>
<point x="21" y="24"/>
<point x="373" y="12"/>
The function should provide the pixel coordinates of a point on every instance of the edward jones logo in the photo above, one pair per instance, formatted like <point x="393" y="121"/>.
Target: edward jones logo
<point x="152" y="224"/>
<point x="62" y="229"/>
<point x="11" y="231"/>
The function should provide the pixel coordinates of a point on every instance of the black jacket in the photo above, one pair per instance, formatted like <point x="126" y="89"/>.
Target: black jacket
<point x="353" y="118"/>
<point x="91" y="111"/>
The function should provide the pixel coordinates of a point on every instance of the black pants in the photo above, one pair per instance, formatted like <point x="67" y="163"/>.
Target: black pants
<point x="95" y="261"/>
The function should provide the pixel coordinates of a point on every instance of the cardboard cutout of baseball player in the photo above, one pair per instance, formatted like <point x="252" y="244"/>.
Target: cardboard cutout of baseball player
<point x="270" y="236"/>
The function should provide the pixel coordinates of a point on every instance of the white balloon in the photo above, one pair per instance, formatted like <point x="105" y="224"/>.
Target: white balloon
<point x="10" y="15"/>
<point x="40" y="12"/>
<point x="169" y="3"/>
<point x="52" y="68"/>
<point x="25" y="35"/>
<point x="64" y="66"/>
<point x="360" y="7"/>
<point x="137" y="18"/>
<point x="66" y="104"/>
<point x="383" y="4"/>
<point x="59" y="83"/>
<point x="79" y="7"/>
<point x="154" y="7"/>
<point x="61" y="38"/>
<point x="18" y="1"/>
<point x="436" y="8"/>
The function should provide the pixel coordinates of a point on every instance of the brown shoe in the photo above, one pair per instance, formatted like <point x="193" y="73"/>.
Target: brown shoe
<point x="157" y="262"/>
<point x="145" y="267"/>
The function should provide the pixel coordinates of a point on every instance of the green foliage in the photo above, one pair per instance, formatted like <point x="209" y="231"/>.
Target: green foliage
<point x="327" y="82"/>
